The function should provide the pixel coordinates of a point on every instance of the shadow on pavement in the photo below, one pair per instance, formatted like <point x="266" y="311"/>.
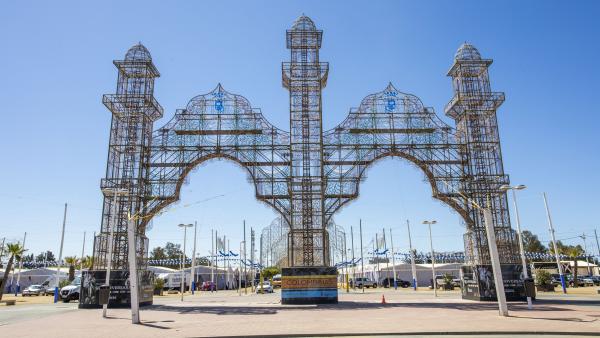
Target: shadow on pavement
<point x="342" y="306"/>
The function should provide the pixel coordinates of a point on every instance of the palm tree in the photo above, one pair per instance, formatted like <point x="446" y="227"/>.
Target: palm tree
<point x="574" y="252"/>
<point x="72" y="261"/>
<point x="87" y="262"/>
<point x="15" y="251"/>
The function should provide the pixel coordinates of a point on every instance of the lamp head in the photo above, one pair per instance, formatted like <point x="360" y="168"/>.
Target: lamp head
<point x="505" y="187"/>
<point x="520" y="187"/>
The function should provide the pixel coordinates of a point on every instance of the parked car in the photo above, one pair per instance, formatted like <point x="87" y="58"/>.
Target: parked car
<point x="363" y="282"/>
<point x="587" y="281"/>
<point x="34" y="289"/>
<point x="71" y="291"/>
<point x="48" y="288"/>
<point x="208" y="286"/>
<point x="555" y="279"/>
<point x="596" y="280"/>
<point x="265" y="287"/>
<point x="277" y="281"/>
<point x="389" y="282"/>
<point x="571" y="282"/>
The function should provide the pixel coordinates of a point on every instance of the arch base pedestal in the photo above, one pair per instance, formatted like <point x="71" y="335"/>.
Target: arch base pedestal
<point x="309" y="285"/>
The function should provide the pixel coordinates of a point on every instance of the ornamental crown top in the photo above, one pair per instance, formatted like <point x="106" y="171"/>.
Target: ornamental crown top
<point x="304" y="23"/>
<point x="467" y="52"/>
<point x="138" y="53"/>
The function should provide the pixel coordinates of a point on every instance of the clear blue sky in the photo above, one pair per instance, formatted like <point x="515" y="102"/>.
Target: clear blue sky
<point x="56" y="62"/>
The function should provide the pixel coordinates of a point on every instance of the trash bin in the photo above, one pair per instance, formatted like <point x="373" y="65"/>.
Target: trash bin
<point x="529" y="287"/>
<point x="103" y="294"/>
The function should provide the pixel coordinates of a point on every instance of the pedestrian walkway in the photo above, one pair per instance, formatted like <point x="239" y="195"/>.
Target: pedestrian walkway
<point x="227" y="314"/>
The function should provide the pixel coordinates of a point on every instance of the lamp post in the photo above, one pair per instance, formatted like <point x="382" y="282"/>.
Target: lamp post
<point x="507" y="187"/>
<point x="115" y="192"/>
<point x="587" y="260"/>
<point x="193" y="281"/>
<point x="413" y="267"/>
<point x="184" y="226"/>
<point x="429" y="223"/>
<point x="556" y="254"/>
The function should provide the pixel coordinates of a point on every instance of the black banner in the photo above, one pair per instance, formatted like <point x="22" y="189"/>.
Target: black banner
<point x="119" y="288"/>
<point x="478" y="282"/>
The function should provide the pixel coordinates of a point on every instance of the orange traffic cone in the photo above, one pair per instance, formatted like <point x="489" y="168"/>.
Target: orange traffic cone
<point x="383" y="299"/>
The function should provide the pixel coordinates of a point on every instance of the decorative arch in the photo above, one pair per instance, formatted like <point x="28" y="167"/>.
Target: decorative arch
<point x="218" y="124"/>
<point x="390" y="123"/>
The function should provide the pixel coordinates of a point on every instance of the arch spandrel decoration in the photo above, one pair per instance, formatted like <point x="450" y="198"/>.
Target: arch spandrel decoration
<point x="219" y="124"/>
<point x="395" y="124"/>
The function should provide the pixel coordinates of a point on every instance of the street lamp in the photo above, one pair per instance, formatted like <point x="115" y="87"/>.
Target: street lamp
<point x="583" y="237"/>
<point x="184" y="226"/>
<point x="115" y="192"/>
<point x="429" y="223"/>
<point x="507" y="187"/>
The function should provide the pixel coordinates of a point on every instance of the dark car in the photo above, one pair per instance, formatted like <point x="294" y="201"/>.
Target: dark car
<point x="389" y="282"/>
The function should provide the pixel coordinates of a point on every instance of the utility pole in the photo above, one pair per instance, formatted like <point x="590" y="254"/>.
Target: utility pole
<point x="362" y="261"/>
<point x="216" y="261"/>
<point x="193" y="270"/>
<point x="387" y="263"/>
<point x="353" y="262"/>
<point x="556" y="256"/>
<point x="17" y="289"/>
<point x="587" y="257"/>
<point x="393" y="260"/>
<point x="413" y="267"/>
<point x="433" y="281"/>
<point x="228" y="261"/>
<point x="82" y="253"/>
<point x="183" y="259"/>
<point x="245" y="269"/>
<point x="346" y="262"/>
<point x="62" y="240"/>
<point x="252" y="259"/>
<point x="224" y="247"/>
<point x="597" y="243"/>
<point x="376" y="252"/>
<point x="240" y="270"/>
<point x="212" y="249"/>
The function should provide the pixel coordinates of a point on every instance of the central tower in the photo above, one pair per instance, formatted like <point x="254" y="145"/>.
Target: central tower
<point x="305" y="77"/>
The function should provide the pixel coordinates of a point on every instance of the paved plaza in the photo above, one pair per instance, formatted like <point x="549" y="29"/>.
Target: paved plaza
<point x="227" y="314"/>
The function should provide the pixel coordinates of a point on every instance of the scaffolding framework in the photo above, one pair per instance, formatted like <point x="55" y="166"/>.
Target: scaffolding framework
<point x="306" y="174"/>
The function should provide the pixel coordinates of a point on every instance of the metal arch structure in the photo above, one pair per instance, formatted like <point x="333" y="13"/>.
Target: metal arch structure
<point x="306" y="174"/>
<point x="274" y="239"/>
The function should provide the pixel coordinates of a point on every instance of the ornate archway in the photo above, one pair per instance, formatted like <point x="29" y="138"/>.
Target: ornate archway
<point x="306" y="174"/>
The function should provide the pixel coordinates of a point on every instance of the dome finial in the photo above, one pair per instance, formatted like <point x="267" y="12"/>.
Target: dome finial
<point x="467" y="52"/>
<point x="138" y="53"/>
<point x="304" y="23"/>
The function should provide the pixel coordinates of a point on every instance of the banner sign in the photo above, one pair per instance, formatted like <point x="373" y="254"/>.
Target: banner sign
<point x="478" y="282"/>
<point x="119" y="288"/>
<point x="309" y="285"/>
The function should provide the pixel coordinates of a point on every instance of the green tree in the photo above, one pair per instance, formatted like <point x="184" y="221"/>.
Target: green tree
<point x="173" y="251"/>
<point x="72" y="261"/>
<point x="87" y="262"/>
<point x="45" y="256"/>
<point x="269" y="272"/>
<point x="158" y="253"/>
<point x="15" y="251"/>
<point x="531" y="243"/>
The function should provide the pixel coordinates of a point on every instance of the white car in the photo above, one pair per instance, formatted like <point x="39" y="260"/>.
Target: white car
<point x="71" y="291"/>
<point x="266" y="287"/>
